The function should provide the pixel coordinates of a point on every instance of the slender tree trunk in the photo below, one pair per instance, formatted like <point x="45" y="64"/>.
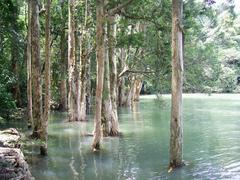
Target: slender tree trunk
<point x="36" y="71"/>
<point x="137" y="88"/>
<point x="176" y="127"/>
<point x="106" y="98"/>
<point x="73" y="95"/>
<point x="47" y="79"/>
<point x="15" y="69"/>
<point x="63" y="94"/>
<point x="100" y="74"/>
<point x="77" y="81"/>
<point x="83" y="65"/>
<point x="130" y="92"/>
<point x="121" y="80"/>
<point x="14" y="62"/>
<point x="63" y="66"/>
<point x="29" y="69"/>
<point x="86" y="54"/>
<point x="83" y="83"/>
<point x="88" y="86"/>
<point x="63" y="51"/>
<point x="112" y="28"/>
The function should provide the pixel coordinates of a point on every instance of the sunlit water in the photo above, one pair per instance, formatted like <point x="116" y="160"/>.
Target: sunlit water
<point x="211" y="143"/>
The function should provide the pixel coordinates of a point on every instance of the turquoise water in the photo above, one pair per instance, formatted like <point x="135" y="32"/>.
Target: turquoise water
<point x="211" y="143"/>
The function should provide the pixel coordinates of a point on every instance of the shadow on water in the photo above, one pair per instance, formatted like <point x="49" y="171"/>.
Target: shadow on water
<point x="211" y="143"/>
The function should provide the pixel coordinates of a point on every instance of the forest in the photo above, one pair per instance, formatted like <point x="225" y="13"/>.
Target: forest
<point x="114" y="89"/>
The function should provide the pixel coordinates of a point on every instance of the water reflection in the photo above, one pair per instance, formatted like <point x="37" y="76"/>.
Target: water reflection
<point x="211" y="144"/>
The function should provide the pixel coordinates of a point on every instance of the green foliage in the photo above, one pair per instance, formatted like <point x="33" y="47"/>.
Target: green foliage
<point x="12" y="54"/>
<point x="211" y="44"/>
<point x="228" y="80"/>
<point x="7" y="103"/>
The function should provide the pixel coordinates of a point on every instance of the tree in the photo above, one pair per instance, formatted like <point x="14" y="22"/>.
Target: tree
<point x="85" y="51"/>
<point x="36" y="71"/>
<point x="29" y="69"/>
<point x="112" y="31"/>
<point x="63" y="63"/>
<point x="73" y="73"/>
<point x="100" y="50"/>
<point x="47" y="78"/>
<point x="176" y="125"/>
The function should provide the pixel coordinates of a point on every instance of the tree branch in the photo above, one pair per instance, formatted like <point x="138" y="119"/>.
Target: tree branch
<point x="118" y="9"/>
<point x="126" y="70"/>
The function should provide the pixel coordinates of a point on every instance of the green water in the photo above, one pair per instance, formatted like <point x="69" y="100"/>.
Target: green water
<point x="211" y="143"/>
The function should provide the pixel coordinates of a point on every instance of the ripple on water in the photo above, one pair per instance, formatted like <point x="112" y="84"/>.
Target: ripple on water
<point x="233" y="166"/>
<point x="211" y="144"/>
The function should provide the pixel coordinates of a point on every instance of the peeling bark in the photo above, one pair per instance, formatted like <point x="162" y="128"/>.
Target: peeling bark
<point x="137" y="86"/>
<point x="112" y="28"/>
<point x="73" y="91"/>
<point x="106" y="98"/>
<point x="63" y="66"/>
<point x="36" y="71"/>
<point x="29" y="69"/>
<point x="88" y="86"/>
<point x="47" y="79"/>
<point x="121" y="80"/>
<point x="97" y="134"/>
<point x="176" y="125"/>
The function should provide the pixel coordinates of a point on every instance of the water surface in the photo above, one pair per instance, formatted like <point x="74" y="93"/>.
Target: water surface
<point x="211" y="143"/>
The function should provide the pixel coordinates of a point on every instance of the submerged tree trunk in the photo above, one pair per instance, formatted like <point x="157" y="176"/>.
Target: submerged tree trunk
<point x="130" y="92"/>
<point x="77" y="80"/>
<point x="47" y="79"/>
<point x="29" y="69"/>
<point x="137" y="86"/>
<point x="73" y="102"/>
<point x="113" y="75"/>
<point x="100" y="74"/>
<point x="85" y="51"/>
<point x="176" y="127"/>
<point x="83" y="84"/>
<point x="36" y="72"/>
<point x="106" y="98"/>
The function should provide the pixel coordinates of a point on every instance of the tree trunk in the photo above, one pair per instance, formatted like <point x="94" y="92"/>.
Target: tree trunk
<point x="77" y="81"/>
<point x="137" y="86"/>
<point x="176" y="127"/>
<point x="100" y="74"/>
<point x="121" y="80"/>
<point x="84" y="65"/>
<point x="29" y="69"/>
<point x="14" y="62"/>
<point x="83" y="83"/>
<point x="36" y="72"/>
<point x="88" y="61"/>
<point x="113" y="75"/>
<point x="130" y="92"/>
<point x="73" y="108"/>
<point x="47" y="79"/>
<point x="63" y="67"/>
<point x="63" y="93"/>
<point x="88" y="86"/>
<point x="106" y="98"/>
